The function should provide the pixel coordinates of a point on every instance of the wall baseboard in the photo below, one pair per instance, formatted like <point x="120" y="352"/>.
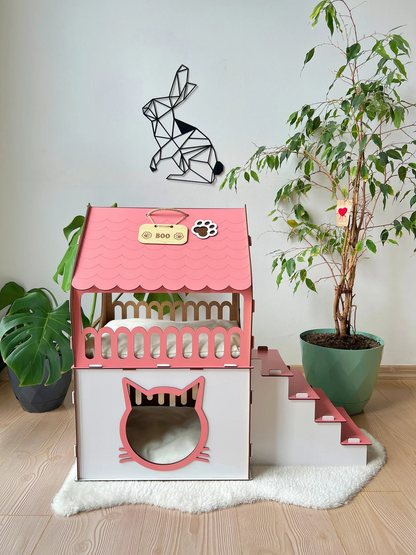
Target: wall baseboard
<point x="389" y="372"/>
<point x="397" y="372"/>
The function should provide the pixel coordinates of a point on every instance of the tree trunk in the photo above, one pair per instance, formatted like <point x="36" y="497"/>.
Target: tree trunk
<point x="344" y="290"/>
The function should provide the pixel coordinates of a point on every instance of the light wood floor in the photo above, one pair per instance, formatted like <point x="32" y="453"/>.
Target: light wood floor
<point x="36" y="452"/>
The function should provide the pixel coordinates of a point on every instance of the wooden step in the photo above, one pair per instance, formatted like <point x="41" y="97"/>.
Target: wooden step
<point x="350" y="433"/>
<point x="271" y="362"/>
<point x="299" y="388"/>
<point x="325" y="410"/>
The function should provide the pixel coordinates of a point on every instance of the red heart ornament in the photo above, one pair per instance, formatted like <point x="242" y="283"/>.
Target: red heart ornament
<point x="342" y="211"/>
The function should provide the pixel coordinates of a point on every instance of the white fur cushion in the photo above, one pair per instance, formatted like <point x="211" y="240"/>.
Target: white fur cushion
<point x="132" y="323"/>
<point x="163" y="435"/>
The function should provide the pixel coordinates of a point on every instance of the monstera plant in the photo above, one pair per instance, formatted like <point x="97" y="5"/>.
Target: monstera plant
<point x="356" y="148"/>
<point x="35" y="335"/>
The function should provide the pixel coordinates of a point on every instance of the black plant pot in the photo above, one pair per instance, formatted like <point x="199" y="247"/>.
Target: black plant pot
<point x="41" y="398"/>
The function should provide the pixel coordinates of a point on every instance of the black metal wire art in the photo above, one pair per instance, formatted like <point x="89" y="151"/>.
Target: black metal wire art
<point x="189" y="148"/>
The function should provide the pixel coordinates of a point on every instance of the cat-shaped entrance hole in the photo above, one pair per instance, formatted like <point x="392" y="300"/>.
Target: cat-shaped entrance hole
<point x="163" y="428"/>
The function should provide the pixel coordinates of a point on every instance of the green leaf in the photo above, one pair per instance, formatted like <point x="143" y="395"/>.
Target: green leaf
<point x="383" y="158"/>
<point x="398" y="227"/>
<point x="371" y="246"/>
<point x="377" y="141"/>
<point x="270" y="161"/>
<point x="407" y="224"/>
<point x="309" y="56"/>
<point x="32" y="332"/>
<point x="308" y="167"/>
<point x="329" y="19"/>
<point x="315" y="250"/>
<point x="316" y="12"/>
<point x="339" y="150"/>
<point x="402" y="173"/>
<point x="303" y="273"/>
<point x="246" y="176"/>
<point x="390" y="78"/>
<point x="384" y="235"/>
<point x="339" y="73"/>
<point x="363" y="142"/>
<point x="398" y="117"/>
<point x="9" y="293"/>
<point x="292" y="118"/>
<point x="254" y="176"/>
<point x="310" y="284"/>
<point x="353" y="51"/>
<point x="372" y="189"/>
<point x="76" y="223"/>
<point x="402" y="44"/>
<point x="359" y="246"/>
<point x="400" y="67"/>
<point x="292" y="223"/>
<point x="393" y="47"/>
<point x="66" y="265"/>
<point x="364" y="172"/>
<point x="358" y="100"/>
<point x="394" y="154"/>
<point x="290" y="266"/>
<point x="379" y="48"/>
<point x="412" y="200"/>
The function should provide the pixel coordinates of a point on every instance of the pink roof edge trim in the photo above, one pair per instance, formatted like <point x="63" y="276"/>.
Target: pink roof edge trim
<point x="110" y="257"/>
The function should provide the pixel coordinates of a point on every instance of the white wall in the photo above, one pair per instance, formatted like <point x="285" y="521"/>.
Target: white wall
<point x="73" y="78"/>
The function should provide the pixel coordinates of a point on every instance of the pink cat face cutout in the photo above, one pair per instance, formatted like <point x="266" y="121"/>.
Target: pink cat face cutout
<point x="128" y="454"/>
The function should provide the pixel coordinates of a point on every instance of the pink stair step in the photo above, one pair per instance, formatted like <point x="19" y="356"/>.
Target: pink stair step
<point x="299" y="388"/>
<point x="271" y="362"/>
<point x="350" y="433"/>
<point x="325" y="410"/>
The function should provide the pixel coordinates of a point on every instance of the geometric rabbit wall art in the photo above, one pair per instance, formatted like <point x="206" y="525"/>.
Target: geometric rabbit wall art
<point x="189" y="148"/>
<point x="163" y="437"/>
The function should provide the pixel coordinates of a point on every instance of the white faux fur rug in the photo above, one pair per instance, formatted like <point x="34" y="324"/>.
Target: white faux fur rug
<point x="316" y="487"/>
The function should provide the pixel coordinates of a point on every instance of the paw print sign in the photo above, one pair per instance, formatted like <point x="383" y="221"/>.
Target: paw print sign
<point x="204" y="229"/>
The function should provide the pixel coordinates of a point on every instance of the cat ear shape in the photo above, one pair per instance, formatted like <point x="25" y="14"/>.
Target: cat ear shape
<point x="181" y="87"/>
<point x="172" y="390"/>
<point x="200" y="382"/>
<point x="127" y="382"/>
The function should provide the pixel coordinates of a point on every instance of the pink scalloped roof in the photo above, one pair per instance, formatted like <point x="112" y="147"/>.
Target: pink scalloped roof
<point x="111" y="257"/>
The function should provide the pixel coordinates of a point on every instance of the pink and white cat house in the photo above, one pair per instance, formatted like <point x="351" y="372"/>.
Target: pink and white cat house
<point x="163" y="396"/>
<point x="170" y="387"/>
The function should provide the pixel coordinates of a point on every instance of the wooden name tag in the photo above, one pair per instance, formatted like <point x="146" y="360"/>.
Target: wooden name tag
<point x="151" y="234"/>
<point x="343" y="212"/>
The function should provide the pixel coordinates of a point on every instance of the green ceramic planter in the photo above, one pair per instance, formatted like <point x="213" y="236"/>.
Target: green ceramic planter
<point x="348" y="378"/>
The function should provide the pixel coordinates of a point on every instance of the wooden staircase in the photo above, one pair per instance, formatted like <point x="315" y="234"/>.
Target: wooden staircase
<point x="293" y="423"/>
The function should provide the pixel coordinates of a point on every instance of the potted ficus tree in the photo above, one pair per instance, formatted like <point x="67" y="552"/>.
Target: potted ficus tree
<point x="35" y="345"/>
<point x="357" y="146"/>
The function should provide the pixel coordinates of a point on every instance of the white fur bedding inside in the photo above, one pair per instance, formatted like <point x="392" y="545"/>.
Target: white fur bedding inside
<point x="132" y="323"/>
<point x="163" y="435"/>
